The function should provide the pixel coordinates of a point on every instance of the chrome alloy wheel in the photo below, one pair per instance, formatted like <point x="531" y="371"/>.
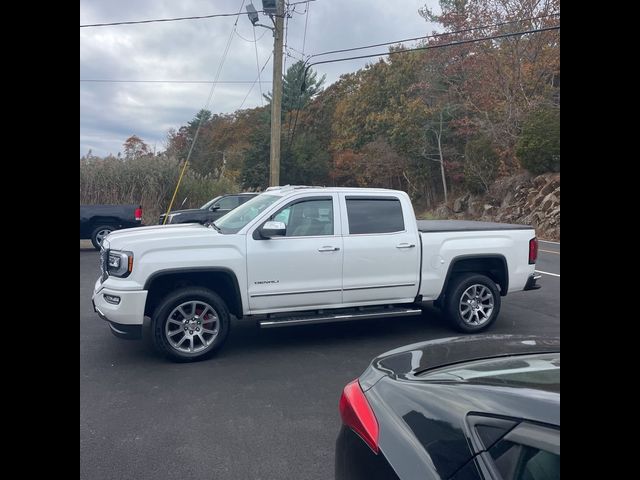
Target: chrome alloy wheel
<point x="101" y="234"/>
<point x="192" y="327"/>
<point x="476" y="305"/>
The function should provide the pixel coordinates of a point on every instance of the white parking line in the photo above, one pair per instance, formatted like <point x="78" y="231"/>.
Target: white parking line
<point x="549" y="241"/>
<point x="548" y="251"/>
<point x="547" y="273"/>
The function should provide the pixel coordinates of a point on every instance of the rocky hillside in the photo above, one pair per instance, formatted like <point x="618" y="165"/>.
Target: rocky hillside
<point x="521" y="198"/>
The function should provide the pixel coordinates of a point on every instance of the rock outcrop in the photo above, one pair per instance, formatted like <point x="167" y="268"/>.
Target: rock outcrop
<point x="521" y="199"/>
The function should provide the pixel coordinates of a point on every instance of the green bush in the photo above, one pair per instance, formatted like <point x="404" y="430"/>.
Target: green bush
<point x="538" y="147"/>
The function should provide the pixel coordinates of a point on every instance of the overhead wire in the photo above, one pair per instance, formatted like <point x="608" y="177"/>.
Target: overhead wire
<point x="109" y="80"/>
<point x="435" y="35"/>
<point x="211" y="91"/>
<point x="255" y="44"/>
<point x="426" y="47"/>
<point x="254" y="82"/>
<point x="177" y="19"/>
<point x="291" y="130"/>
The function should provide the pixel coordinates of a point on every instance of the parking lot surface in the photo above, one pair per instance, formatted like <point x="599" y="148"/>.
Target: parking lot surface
<point x="265" y="407"/>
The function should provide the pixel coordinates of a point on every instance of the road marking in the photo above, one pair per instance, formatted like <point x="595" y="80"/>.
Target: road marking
<point x="549" y="241"/>
<point x="548" y="251"/>
<point x="547" y="273"/>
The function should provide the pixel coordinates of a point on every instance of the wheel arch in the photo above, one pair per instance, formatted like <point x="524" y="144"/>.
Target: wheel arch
<point x="221" y="280"/>
<point x="493" y="266"/>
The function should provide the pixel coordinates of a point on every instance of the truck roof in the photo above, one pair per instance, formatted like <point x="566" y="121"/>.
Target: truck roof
<point x="289" y="189"/>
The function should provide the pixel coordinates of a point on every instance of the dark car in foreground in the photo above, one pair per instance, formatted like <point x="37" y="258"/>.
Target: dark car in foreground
<point x="475" y="407"/>
<point x="210" y="211"/>
<point x="98" y="221"/>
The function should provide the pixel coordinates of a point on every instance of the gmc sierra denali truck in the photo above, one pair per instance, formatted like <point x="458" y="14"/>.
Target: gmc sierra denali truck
<point x="300" y="255"/>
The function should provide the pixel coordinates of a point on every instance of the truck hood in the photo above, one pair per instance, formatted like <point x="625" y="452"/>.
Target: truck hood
<point x="161" y="236"/>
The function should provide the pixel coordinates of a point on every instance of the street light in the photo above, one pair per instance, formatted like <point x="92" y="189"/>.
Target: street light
<point x="252" y="13"/>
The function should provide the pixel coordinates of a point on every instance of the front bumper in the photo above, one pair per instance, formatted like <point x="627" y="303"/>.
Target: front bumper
<point x="531" y="282"/>
<point x="127" y="316"/>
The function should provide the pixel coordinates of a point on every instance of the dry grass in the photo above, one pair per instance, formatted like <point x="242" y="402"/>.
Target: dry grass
<point x="148" y="181"/>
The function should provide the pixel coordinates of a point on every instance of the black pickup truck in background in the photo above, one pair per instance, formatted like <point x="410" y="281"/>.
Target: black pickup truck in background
<point x="210" y="211"/>
<point x="97" y="221"/>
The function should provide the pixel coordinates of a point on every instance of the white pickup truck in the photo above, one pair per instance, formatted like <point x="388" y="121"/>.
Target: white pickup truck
<point x="299" y="255"/>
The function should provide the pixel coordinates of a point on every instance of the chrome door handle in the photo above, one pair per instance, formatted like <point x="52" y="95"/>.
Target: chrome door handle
<point x="405" y="245"/>
<point x="328" y="249"/>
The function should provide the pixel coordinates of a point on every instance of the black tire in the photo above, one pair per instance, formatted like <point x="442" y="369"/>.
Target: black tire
<point x="479" y="315"/>
<point x="98" y="233"/>
<point x="167" y="307"/>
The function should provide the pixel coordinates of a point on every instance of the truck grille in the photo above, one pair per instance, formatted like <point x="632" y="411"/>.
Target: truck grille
<point x="104" y="258"/>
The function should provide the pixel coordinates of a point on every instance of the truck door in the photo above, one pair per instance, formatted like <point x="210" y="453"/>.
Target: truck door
<point x="381" y="250"/>
<point x="302" y="269"/>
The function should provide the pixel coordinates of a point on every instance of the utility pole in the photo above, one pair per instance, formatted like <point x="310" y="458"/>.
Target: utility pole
<point x="276" y="97"/>
<point x="273" y="8"/>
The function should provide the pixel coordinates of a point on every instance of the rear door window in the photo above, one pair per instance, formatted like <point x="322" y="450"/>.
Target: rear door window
<point x="374" y="215"/>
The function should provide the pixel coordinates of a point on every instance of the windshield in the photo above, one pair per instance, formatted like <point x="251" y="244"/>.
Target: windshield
<point x="209" y="203"/>
<point x="233" y="221"/>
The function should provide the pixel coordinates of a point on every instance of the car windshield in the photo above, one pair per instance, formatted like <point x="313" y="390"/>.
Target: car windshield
<point x="236" y="219"/>
<point x="209" y="203"/>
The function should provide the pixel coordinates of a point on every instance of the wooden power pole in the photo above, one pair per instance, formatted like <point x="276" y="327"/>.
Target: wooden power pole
<point x="276" y="97"/>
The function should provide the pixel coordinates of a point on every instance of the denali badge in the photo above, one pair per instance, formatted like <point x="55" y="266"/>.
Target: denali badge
<point x="266" y="281"/>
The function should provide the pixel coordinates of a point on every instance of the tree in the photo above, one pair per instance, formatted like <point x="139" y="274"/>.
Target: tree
<point x="293" y="97"/>
<point x="480" y="164"/>
<point x="134" y="147"/>
<point x="538" y="147"/>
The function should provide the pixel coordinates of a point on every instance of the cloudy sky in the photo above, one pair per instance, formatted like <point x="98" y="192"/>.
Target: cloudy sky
<point x="192" y="50"/>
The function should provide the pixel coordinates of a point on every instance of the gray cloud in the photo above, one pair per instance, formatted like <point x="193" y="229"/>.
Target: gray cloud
<point x="192" y="50"/>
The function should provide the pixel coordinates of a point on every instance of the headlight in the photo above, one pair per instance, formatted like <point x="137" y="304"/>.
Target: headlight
<point x="120" y="264"/>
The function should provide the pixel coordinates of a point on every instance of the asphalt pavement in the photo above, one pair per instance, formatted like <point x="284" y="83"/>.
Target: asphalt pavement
<point x="265" y="407"/>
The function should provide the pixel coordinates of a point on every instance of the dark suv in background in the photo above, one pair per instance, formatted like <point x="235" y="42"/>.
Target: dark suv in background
<point x="210" y="211"/>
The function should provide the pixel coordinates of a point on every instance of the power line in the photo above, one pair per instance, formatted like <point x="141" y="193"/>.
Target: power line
<point x="176" y="19"/>
<point x="213" y="87"/>
<point x="304" y="36"/>
<point x="435" y="35"/>
<point x="441" y="45"/>
<point x="427" y="47"/>
<point x="291" y="129"/>
<point x="254" y="36"/>
<point x="106" y="80"/>
<point x="255" y="44"/>
<point x="255" y="81"/>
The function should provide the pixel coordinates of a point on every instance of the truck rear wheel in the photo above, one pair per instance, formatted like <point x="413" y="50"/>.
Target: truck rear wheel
<point x="472" y="302"/>
<point x="98" y="234"/>
<point x="190" y="324"/>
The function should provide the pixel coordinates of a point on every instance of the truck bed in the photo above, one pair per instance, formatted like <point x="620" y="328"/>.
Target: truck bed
<point x="428" y="226"/>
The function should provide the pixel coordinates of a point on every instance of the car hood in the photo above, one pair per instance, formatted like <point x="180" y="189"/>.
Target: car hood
<point x="160" y="237"/>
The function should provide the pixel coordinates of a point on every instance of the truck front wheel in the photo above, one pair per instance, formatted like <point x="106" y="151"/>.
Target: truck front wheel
<point x="472" y="302"/>
<point x="190" y="324"/>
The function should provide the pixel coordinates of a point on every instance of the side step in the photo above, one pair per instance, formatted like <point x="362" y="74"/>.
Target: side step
<point x="338" y="317"/>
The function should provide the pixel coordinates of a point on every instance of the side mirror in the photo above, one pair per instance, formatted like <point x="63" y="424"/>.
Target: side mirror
<point x="273" y="229"/>
<point x="213" y="208"/>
